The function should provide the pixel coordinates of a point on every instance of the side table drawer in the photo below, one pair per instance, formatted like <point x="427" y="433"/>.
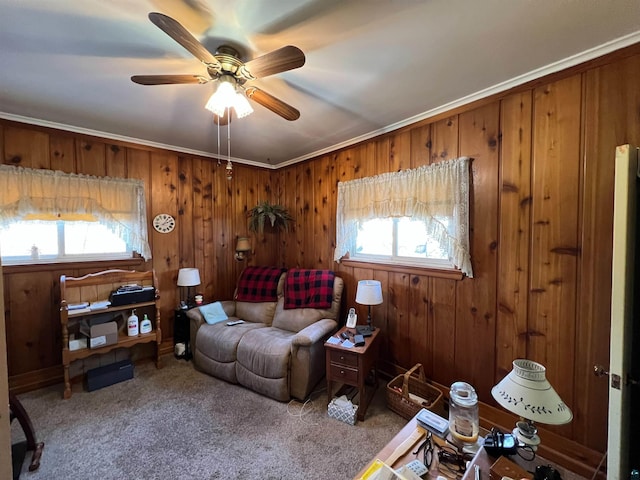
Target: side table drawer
<point x="343" y="374"/>
<point x="344" y="358"/>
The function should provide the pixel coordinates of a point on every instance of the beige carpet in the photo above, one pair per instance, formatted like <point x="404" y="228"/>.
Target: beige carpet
<point x="177" y="423"/>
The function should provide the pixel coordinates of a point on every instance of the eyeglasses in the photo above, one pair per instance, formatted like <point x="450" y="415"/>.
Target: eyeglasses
<point x="427" y="445"/>
<point x="451" y="462"/>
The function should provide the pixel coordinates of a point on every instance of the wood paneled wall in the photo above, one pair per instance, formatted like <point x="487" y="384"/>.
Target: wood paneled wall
<point x="210" y="213"/>
<point x="541" y="235"/>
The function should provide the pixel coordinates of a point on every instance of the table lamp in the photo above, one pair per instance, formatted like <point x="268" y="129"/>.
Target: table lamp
<point x="188" y="277"/>
<point x="242" y="247"/>
<point x="369" y="292"/>
<point x="526" y="392"/>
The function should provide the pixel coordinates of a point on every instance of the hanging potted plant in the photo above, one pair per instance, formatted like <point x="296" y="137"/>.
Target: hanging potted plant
<point x="270" y="214"/>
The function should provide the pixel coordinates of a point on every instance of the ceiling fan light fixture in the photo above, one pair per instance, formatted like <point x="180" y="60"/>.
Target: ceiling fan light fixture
<point x="223" y="97"/>
<point x="226" y="97"/>
<point x="242" y="105"/>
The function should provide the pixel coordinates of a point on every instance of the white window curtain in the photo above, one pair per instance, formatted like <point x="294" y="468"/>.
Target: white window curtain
<point x="38" y="194"/>
<point x="424" y="193"/>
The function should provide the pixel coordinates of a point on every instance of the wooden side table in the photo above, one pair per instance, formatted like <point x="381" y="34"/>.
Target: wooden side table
<point x="351" y="366"/>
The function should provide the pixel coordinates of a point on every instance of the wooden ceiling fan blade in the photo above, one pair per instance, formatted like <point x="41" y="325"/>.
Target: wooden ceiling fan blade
<point x="180" y="34"/>
<point x="274" y="104"/>
<point x="195" y="15"/>
<point x="168" y="79"/>
<point x="280" y="60"/>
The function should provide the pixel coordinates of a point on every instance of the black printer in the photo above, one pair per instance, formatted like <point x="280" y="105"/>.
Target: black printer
<point x="129" y="294"/>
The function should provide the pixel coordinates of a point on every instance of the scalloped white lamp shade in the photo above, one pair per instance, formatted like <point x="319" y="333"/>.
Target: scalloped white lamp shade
<point x="526" y="392"/>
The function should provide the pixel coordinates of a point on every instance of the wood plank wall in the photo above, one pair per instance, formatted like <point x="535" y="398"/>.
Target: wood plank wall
<point x="541" y="229"/>
<point x="210" y="213"/>
<point x="541" y="235"/>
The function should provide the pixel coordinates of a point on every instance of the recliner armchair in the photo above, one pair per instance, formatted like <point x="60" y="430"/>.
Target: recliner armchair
<point x="277" y="351"/>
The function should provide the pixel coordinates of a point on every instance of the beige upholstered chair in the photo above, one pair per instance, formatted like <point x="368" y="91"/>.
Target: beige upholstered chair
<point x="277" y="352"/>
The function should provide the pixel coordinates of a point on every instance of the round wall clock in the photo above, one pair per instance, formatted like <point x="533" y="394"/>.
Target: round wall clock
<point x="164" y="223"/>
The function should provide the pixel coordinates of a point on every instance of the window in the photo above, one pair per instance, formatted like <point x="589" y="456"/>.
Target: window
<point x="398" y="240"/>
<point x="413" y="217"/>
<point x="51" y="241"/>
<point x="49" y="215"/>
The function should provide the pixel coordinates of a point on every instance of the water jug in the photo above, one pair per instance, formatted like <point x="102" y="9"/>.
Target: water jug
<point x="463" y="413"/>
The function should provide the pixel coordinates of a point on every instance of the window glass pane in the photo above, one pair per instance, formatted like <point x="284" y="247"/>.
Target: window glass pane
<point x="375" y="237"/>
<point x="18" y="239"/>
<point x="83" y="238"/>
<point x="36" y="241"/>
<point x="413" y="240"/>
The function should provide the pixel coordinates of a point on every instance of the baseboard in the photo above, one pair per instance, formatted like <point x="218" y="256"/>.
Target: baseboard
<point x="34" y="380"/>
<point x="46" y="377"/>
<point x="166" y="347"/>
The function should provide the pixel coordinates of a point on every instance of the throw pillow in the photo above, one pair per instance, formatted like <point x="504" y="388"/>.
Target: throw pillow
<point x="213" y="313"/>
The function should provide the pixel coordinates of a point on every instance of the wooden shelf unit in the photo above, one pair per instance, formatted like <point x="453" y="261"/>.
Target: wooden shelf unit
<point x="97" y="287"/>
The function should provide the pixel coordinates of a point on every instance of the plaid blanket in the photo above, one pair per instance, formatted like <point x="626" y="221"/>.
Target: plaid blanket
<point x="308" y="288"/>
<point x="259" y="284"/>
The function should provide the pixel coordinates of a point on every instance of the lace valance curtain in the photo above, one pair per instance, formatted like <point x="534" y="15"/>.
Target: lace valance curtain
<point x="426" y="193"/>
<point x="37" y="194"/>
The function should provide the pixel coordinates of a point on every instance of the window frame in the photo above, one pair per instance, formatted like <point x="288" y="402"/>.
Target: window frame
<point x="426" y="192"/>
<point x="62" y="256"/>
<point x="399" y="260"/>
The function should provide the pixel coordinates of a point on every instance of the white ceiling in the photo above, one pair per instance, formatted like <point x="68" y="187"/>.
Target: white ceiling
<point x="371" y="65"/>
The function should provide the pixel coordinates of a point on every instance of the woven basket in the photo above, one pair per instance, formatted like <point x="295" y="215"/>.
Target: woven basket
<point x="407" y="394"/>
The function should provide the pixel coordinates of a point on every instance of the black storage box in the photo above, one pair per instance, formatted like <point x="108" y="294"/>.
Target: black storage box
<point x="109" y="374"/>
<point x="147" y="294"/>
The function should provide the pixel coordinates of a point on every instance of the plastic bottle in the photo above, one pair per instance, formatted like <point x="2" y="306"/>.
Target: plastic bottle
<point x="463" y="413"/>
<point x="132" y="324"/>
<point x="145" y="325"/>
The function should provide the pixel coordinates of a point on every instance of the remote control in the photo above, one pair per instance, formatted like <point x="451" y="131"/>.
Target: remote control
<point x="433" y="422"/>
<point x="235" y="323"/>
<point x="417" y="467"/>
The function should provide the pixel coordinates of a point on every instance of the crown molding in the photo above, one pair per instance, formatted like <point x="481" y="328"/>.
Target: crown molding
<point x="560" y="65"/>
<point x="123" y="138"/>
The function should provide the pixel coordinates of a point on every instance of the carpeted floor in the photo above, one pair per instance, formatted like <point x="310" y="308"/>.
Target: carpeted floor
<point x="178" y="423"/>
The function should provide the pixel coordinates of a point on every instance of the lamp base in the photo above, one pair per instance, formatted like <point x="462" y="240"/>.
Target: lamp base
<point x="365" y="330"/>
<point x="529" y="440"/>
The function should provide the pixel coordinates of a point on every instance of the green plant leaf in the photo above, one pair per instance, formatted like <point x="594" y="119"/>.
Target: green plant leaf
<point x="278" y="217"/>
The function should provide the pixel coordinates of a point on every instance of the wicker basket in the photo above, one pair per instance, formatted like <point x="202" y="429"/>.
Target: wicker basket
<point x="408" y="394"/>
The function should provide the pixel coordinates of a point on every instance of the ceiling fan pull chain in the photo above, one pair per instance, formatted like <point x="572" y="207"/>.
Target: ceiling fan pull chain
<point x="218" y="124"/>
<point x="229" y="168"/>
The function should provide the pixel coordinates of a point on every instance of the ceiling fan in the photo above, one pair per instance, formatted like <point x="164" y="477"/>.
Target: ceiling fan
<point x="225" y="66"/>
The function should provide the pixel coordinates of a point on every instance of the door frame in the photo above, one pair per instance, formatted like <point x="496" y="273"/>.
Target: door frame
<point x="622" y="306"/>
<point x="6" y="467"/>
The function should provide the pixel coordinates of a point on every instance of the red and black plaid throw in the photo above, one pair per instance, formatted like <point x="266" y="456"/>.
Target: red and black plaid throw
<point x="308" y="288"/>
<point x="259" y="284"/>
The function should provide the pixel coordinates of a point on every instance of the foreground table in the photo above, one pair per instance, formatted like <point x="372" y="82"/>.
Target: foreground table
<point x="482" y="458"/>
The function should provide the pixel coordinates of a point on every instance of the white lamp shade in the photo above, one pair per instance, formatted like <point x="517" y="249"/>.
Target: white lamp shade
<point x="242" y="106"/>
<point x="188" y="277"/>
<point x="226" y="96"/>
<point x="526" y="392"/>
<point x="369" y="292"/>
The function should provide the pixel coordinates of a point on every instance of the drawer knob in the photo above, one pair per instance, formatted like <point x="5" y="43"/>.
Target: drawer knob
<point x="341" y="372"/>
<point x="341" y="357"/>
